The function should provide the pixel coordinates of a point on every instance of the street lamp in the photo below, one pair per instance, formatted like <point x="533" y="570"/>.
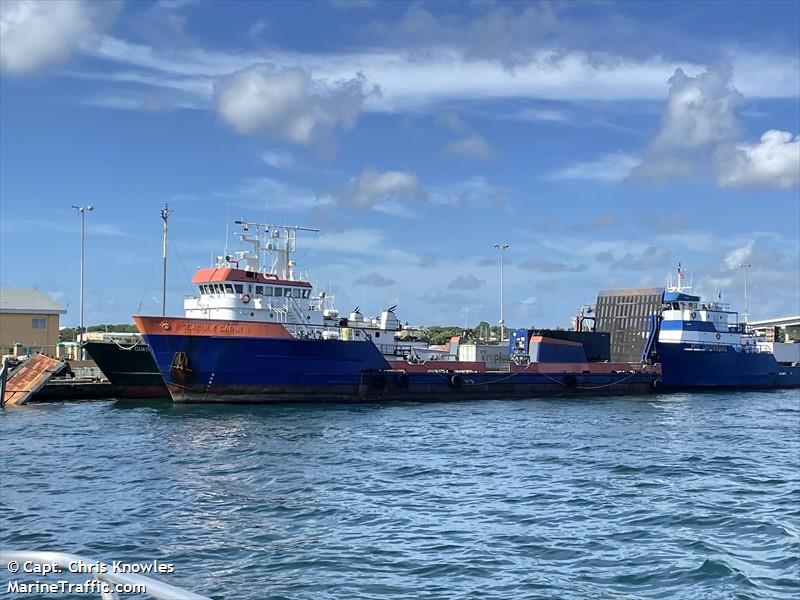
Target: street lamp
<point x="82" y="210"/>
<point x="501" y="247"/>
<point x="745" y="268"/>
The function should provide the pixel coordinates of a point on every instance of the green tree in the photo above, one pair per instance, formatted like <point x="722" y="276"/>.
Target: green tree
<point x="70" y="334"/>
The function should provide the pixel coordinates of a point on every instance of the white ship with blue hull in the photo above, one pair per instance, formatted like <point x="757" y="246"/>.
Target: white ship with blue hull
<point x="704" y="345"/>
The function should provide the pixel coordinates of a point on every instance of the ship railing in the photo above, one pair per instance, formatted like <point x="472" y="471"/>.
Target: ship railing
<point x="109" y="581"/>
<point x="298" y="313"/>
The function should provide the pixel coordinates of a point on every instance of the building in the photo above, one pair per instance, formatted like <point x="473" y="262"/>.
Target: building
<point x="30" y="318"/>
<point x="625" y="314"/>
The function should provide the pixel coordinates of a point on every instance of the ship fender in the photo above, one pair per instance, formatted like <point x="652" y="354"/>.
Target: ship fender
<point x="402" y="380"/>
<point x="456" y="381"/>
<point x="656" y="384"/>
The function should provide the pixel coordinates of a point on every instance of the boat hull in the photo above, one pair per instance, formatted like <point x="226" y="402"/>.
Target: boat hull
<point x="694" y="366"/>
<point x="130" y="369"/>
<point x="236" y="366"/>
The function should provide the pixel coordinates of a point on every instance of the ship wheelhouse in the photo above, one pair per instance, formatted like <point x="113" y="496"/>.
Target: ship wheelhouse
<point x="687" y="319"/>
<point x="237" y="294"/>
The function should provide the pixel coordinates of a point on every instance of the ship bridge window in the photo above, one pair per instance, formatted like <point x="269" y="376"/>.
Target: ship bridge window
<point x="268" y="290"/>
<point x="239" y="288"/>
<point x="229" y="288"/>
<point x="287" y="292"/>
<point x="278" y="292"/>
<point x="306" y="293"/>
<point x="217" y="288"/>
<point x="259" y="290"/>
<point x="296" y="292"/>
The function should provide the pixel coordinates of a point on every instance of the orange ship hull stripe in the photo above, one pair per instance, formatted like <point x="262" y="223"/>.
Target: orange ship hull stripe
<point x="208" y="327"/>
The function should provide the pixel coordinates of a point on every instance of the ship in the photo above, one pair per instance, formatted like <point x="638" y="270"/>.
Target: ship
<point x="703" y="344"/>
<point x="126" y="362"/>
<point x="257" y="332"/>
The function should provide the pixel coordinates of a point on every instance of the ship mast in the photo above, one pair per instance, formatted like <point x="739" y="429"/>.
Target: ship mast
<point x="279" y="239"/>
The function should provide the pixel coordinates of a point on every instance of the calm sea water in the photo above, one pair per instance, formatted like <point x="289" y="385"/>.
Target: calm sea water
<point x="682" y="496"/>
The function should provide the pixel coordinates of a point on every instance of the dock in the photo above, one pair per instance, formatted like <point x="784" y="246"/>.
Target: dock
<point x="30" y="377"/>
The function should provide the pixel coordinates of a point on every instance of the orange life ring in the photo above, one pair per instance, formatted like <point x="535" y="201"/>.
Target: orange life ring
<point x="165" y="326"/>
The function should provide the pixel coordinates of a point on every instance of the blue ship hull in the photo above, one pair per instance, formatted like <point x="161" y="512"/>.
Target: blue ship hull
<point x="202" y="368"/>
<point x="692" y="366"/>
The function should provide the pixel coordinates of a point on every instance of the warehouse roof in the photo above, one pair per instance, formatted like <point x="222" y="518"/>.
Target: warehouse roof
<point x="28" y="300"/>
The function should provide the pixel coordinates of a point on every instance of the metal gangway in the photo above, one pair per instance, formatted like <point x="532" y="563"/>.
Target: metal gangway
<point x="151" y="588"/>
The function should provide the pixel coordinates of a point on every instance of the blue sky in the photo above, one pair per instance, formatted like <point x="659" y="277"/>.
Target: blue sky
<point x="605" y="141"/>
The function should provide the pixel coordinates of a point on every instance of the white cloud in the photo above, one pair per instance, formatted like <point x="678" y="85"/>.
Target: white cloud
<point x="35" y="33"/>
<point x="542" y="114"/>
<point x="700" y="130"/>
<point x="278" y="159"/>
<point x="545" y="265"/>
<point x="287" y="104"/>
<point x="268" y="194"/>
<point x="466" y="282"/>
<point x="472" y="146"/>
<point x="699" y="110"/>
<point x="774" y="162"/>
<point x="453" y="122"/>
<point x="469" y="144"/>
<point x="698" y="118"/>
<point x="471" y="191"/>
<point x="373" y="187"/>
<point x="375" y="280"/>
<point x="445" y="74"/>
<point x="646" y="260"/>
<point x="607" y="168"/>
<point x="733" y="258"/>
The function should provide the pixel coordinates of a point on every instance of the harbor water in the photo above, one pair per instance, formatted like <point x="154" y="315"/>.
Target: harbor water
<point x="668" y="496"/>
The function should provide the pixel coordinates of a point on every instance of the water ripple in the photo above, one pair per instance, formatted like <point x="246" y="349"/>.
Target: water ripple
<point x="684" y="496"/>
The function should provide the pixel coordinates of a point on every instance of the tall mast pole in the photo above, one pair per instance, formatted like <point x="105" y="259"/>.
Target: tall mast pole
<point x="501" y="247"/>
<point x="746" y="313"/>
<point x="82" y="210"/>
<point x="164" y="217"/>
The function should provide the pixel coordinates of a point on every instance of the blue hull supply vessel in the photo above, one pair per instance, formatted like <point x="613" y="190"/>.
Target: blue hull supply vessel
<point x="703" y="345"/>
<point x="224" y="361"/>
<point x="255" y="332"/>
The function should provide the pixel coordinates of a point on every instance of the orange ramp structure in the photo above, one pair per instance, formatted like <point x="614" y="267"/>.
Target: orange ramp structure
<point x="30" y="377"/>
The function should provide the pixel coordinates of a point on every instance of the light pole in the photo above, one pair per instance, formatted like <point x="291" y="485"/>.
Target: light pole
<point x="165" y="212"/>
<point x="82" y="210"/>
<point x="746" y="313"/>
<point x="501" y="246"/>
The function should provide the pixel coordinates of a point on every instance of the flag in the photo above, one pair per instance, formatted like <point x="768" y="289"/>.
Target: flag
<point x="680" y="272"/>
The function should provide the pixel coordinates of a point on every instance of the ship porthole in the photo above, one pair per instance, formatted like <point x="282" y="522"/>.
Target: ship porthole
<point x="718" y="336"/>
<point x="694" y="315"/>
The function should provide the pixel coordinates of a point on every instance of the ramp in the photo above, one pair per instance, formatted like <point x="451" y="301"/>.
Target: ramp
<point x="29" y="378"/>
